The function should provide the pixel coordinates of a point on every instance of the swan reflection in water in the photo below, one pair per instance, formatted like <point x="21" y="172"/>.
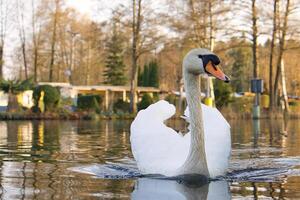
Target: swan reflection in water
<point x="147" y="188"/>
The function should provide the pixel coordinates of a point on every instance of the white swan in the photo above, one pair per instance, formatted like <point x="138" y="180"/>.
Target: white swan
<point x="205" y="150"/>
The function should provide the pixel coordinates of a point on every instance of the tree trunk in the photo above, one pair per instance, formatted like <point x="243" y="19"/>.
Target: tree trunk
<point x="20" y="14"/>
<point x="284" y="92"/>
<point x="88" y="64"/>
<point x="12" y="105"/>
<point x="34" y="42"/>
<point x="4" y="24"/>
<point x="254" y="39"/>
<point x="1" y="61"/>
<point x="35" y="64"/>
<point x="281" y="51"/>
<point x="271" y="54"/>
<point x="53" y="42"/>
<point x="136" y="23"/>
<point x="24" y="58"/>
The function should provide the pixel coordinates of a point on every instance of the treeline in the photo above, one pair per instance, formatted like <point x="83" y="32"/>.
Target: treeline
<point x="56" y="43"/>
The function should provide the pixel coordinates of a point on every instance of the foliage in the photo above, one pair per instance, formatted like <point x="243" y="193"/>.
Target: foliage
<point x="121" y="106"/>
<point x="294" y="103"/>
<point x="140" y="76"/>
<point x="145" y="102"/>
<point x="222" y="93"/>
<point x="115" y="67"/>
<point x="89" y="102"/>
<point x="16" y="86"/>
<point x="51" y="96"/>
<point x="149" y="77"/>
<point x="240" y="68"/>
<point x="171" y="98"/>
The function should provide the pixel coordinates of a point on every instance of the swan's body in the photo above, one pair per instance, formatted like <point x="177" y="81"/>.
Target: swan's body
<point x="159" y="149"/>
<point x="205" y="150"/>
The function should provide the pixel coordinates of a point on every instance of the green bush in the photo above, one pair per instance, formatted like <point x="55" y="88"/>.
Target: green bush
<point x="51" y="97"/>
<point x="222" y="93"/>
<point x="16" y="86"/>
<point x="171" y="98"/>
<point x="294" y="103"/>
<point x="145" y="102"/>
<point x="89" y="102"/>
<point x="121" y="106"/>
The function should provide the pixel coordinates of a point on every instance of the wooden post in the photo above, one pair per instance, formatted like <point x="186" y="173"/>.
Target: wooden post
<point x="106" y="100"/>
<point x="124" y="95"/>
<point x="112" y="100"/>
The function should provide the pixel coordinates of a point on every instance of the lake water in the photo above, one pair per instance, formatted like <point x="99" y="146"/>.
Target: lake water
<point x="74" y="160"/>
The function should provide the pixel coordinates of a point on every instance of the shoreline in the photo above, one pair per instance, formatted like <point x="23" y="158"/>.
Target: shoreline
<point x="4" y="116"/>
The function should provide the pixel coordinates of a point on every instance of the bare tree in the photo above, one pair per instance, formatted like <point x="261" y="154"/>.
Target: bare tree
<point x="275" y="16"/>
<point x="22" y="35"/>
<point x="136" y="25"/>
<point x="281" y="49"/>
<point x="145" y="38"/>
<point x="4" y="12"/>
<point x="36" y="40"/>
<point x="54" y="37"/>
<point x="254" y="39"/>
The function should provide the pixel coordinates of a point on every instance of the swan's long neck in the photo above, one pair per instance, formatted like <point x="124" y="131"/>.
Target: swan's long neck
<point x="196" y="160"/>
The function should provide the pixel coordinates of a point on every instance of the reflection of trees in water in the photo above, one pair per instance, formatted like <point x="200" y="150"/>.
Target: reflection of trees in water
<point x="278" y="135"/>
<point x="116" y="138"/>
<point x="240" y="132"/>
<point x="35" y="157"/>
<point x="264" y="133"/>
<point x="258" y="190"/>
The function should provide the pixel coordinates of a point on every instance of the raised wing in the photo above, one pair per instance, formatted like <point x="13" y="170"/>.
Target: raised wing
<point x="157" y="149"/>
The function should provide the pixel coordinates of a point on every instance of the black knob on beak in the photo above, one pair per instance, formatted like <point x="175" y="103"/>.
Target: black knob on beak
<point x="227" y="79"/>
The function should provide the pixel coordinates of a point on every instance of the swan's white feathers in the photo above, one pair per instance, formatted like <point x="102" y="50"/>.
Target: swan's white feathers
<point x="154" y="145"/>
<point x="159" y="149"/>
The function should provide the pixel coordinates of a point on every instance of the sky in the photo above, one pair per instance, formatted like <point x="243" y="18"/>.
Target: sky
<point x="92" y="7"/>
<point x="84" y="6"/>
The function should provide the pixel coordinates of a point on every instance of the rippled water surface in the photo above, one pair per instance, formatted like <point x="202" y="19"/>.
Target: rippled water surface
<point x="74" y="160"/>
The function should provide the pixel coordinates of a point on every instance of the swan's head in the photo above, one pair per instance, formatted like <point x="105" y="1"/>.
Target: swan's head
<point x="202" y="61"/>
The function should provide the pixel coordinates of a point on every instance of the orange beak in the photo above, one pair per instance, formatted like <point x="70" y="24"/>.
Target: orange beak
<point x="216" y="72"/>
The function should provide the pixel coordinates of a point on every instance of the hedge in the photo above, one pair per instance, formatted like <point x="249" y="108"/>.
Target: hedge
<point x="51" y="96"/>
<point x="89" y="102"/>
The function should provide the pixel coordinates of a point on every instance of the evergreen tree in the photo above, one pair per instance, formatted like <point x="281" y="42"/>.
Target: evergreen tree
<point x="153" y="74"/>
<point x="140" y="76"/>
<point x="149" y="76"/>
<point x="240" y="68"/>
<point x="115" y="67"/>
<point x="146" y="75"/>
<point x="223" y="93"/>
